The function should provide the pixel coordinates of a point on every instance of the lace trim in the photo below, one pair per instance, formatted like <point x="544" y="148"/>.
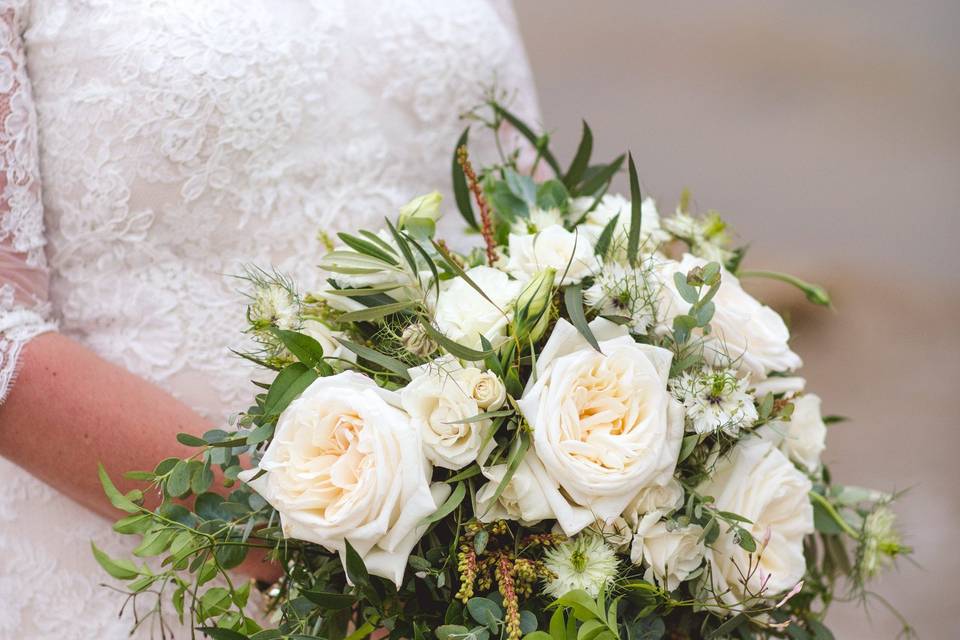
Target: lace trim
<point x="18" y="326"/>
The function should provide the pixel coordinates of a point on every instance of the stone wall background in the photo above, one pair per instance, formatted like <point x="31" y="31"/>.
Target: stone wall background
<point x="828" y="132"/>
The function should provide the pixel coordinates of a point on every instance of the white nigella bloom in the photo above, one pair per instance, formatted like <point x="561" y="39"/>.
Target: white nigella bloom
<point x="881" y="542"/>
<point x="620" y="290"/>
<point x="537" y="221"/>
<point x="274" y="305"/>
<point x="585" y="562"/>
<point x="715" y="400"/>
<point x="707" y="235"/>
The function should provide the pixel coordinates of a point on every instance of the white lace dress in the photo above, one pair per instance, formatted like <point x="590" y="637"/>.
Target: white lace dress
<point x="150" y="148"/>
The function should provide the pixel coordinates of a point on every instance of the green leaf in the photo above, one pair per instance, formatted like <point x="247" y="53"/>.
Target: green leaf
<point x="766" y="406"/>
<point x="601" y="177"/>
<point x="289" y="384"/>
<point x="573" y="301"/>
<point x="231" y="556"/>
<point x="356" y="569"/>
<point x="367" y="248"/>
<point x="201" y="478"/>
<point x="404" y="248"/>
<point x="154" y="543"/>
<point x="116" y="498"/>
<point x="178" y="484"/>
<point x="581" y="160"/>
<point x="521" y="186"/>
<point x="636" y="213"/>
<point x="513" y="461"/>
<point x="331" y="601"/>
<point x="745" y="539"/>
<point x="651" y="628"/>
<point x="724" y="629"/>
<point x="137" y="523"/>
<point x="376" y="313"/>
<point x="461" y="191"/>
<point x="687" y="291"/>
<point x="455" y="348"/>
<point x="558" y="625"/>
<point x="385" y="361"/>
<point x="552" y="195"/>
<point x="606" y="236"/>
<point x="452" y="502"/>
<point x="687" y="446"/>
<point x="486" y="415"/>
<point x="485" y="612"/>
<point x="820" y="632"/>
<point x="191" y="440"/>
<point x="528" y="622"/>
<point x="528" y="133"/>
<point x="542" y="635"/>
<point x="216" y="633"/>
<point x="119" y="569"/>
<point x="306" y="349"/>
<point x="451" y="632"/>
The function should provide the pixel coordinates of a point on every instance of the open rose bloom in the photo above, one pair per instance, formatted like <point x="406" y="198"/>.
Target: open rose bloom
<point x="583" y="426"/>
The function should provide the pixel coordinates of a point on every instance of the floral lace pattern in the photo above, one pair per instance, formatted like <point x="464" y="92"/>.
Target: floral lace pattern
<point x="178" y="141"/>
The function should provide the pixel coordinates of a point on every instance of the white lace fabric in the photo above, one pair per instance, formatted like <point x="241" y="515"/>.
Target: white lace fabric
<point x="24" y="308"/>
<point x="178" y="141"/>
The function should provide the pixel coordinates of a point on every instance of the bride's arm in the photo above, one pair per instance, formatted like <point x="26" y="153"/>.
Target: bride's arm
<point x="62" y="408"/>
<point x="70" y="409"/>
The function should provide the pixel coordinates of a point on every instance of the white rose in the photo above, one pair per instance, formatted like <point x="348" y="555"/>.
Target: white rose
<point x="604" y="424"/>
<point x="346" y="465"/>
<point x="327" y="338"/>
<point x="757" y="482"/>
<point x="463" y="315"/>
<point x="661" y="498"/>
<point x="571" y="254"/>
<point x="439" y="399"/>
<point x="523" y="499"/>
<point x="488" y="390"/>
<point x="670" y="555"/>
<point x="745" y="333"/>
<point x="612" y="205"/>
<point x="804" y="437"/>
<point x="658" y="497"/>
<point x="778" y="384"/>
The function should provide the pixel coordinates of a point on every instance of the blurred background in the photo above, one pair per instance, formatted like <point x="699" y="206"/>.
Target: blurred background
<point x="828" y="133"/>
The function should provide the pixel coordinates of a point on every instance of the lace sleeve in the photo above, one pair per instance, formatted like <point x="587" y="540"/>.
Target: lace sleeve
<point x="24" y="309"/>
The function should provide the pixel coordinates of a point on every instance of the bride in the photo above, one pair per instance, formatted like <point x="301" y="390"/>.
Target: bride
<point x="148" y="150"/>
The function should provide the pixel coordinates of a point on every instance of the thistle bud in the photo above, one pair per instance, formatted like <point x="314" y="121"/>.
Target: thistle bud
<point x="425" y="207"/>
<point x="417" y="341"/>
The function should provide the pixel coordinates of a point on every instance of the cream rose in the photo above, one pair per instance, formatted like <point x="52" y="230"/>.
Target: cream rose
<point x="745" y="333"/>
<point x="571" y="254"/>
<point x="804" y="437"/>
<point x="604" y="424"/>
<point x="440" y="398"/>
<point x="346" y="465"/>
<point x="663" y="498"/>
<point x="670" y="555"/>
<point x="757" y="482"/>
<point x="463" y="315"/>
<point x="327" y="338"/>
<point x="523" y="499"/>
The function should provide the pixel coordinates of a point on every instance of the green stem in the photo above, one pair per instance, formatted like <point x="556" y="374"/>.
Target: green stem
<point x="814" y="292"/>
<point x="835" y="515"/>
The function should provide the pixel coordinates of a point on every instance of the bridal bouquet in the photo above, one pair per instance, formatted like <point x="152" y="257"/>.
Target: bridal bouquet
<point x="584" y="428"/>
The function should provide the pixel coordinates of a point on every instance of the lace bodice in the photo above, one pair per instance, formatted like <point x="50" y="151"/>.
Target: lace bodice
<point x="174" y="141"/>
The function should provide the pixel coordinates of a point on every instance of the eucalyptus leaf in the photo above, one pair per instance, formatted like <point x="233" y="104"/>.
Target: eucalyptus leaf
<point x="452" y="502"/>
<point x="461" y="190"/>
<point x="573" y="301"/>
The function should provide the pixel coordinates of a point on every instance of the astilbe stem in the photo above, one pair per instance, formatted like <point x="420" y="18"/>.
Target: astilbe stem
<point x="486" y="224"/>
<point x="511" y="604"/>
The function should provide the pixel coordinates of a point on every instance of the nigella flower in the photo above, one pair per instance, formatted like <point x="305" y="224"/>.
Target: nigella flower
<point x="585" y="562"/>
<point x="626" y="292"/>
<point x="538" y="220"/>
<point x="706" y="235"/>
<point x="715" y="400"/>
<point x="879" y="543"/>
<point x="274" y="304"/>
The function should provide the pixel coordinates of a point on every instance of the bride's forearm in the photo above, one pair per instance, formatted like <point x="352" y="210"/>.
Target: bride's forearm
<point x="70" y="409"/>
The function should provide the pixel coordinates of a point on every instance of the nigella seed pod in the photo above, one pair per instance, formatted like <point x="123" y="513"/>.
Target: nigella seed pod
<point x="417" y="341"/>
